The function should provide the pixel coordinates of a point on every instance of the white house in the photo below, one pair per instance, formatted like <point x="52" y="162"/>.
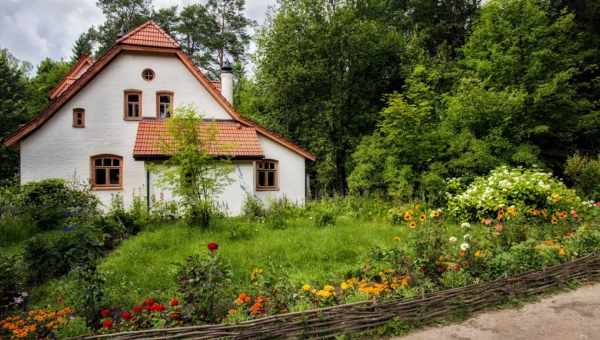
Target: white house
<point x="106" y="116"/>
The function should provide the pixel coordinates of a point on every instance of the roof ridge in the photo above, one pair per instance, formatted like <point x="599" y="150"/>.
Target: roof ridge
<point x="132" y="33"/>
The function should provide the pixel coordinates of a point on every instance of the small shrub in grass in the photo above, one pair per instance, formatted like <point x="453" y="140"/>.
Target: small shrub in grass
<point x="253" y="208"/>
<point x="239" y="230"/>
<point x="324" y="216"/>
<point x="455" y="278"/>
<point x="204" y="283"/>
<point x="89" y="292"/>
<point x="164" y="211"/>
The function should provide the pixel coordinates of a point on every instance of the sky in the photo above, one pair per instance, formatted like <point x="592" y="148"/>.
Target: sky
<point x="34" y="29"/>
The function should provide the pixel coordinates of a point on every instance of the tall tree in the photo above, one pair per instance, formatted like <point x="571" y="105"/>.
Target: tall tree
<point x="121" y="17"/>
<point x="322" y="67"/>
<point x="83" y="45"/>
<point x="214" y="32"/>
<point x="13" y="108"/>
<point x="48" y="73"/>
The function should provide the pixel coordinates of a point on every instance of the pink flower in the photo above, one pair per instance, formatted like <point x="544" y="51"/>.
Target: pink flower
<point x="574" y="213"/>
<point x="499" y="227"/>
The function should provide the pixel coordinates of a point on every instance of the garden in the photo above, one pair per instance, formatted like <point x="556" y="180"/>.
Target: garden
<point x="69" y="269"/>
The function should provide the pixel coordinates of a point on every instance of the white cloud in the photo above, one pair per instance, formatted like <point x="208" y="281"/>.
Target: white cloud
<point x="34" y="29"/>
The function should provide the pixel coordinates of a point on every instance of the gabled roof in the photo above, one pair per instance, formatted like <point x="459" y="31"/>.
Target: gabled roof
<point x="148" y="34"/>
<point x="151" y="39"/>
<point x="231" y="139"/>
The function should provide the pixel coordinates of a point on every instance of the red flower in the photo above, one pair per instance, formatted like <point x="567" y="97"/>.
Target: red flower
<point x="137" y="309"/>
<point x="175" y="316"/>
<point x="105" y="312"/>
<point x="126" y="315"/>
<point x="213" y="246"/>
<point x="107" y="323"/>
<point x="174" y="302"/>
<point x="149" y="302"/>
<point x="157" y="307"/>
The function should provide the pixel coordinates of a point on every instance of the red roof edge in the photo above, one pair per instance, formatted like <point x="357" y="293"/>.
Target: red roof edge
<point x="72" y="75"/>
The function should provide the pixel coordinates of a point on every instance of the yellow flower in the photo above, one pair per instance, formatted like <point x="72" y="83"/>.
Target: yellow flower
<point x="396" y="238"/>
<point x="554" y="220"/>
<point x="405" y="281"/>
<point x="562" y="252"/>
<point x="408" y="215"/>
<point x="512" y="211"/>
<point x="413" y="224"/>
<point x="478" y="253"/>
<point x="323" y="293"/>
<point x="423" y="217"/>
<point x="345" y="285"/>
<point x="555" y="197"/>
<point x="549" y="242"/>
<point x="329" y="288"/>
<point x="306" y="287"/>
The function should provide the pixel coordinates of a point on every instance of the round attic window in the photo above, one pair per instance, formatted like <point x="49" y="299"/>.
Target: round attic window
<point x="148" y="74"/>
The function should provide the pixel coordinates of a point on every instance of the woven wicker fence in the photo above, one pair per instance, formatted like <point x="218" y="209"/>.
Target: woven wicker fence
<point x="328" y="322"/>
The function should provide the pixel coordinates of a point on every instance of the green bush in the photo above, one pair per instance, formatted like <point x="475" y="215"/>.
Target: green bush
<point x="239" y="230"/>
<point x="505" y="187"/>
<point x="523" y="257"/>
<point x="455" y="278"/>
<point x="11" y="284"/>
<point x="205" y="284"/>
<point x="253" y="207"/>
<point x="584" y="172"/>
<point x="324" y="216"/>
<point x="50" y="203"/>
<point x="53" y="255"/>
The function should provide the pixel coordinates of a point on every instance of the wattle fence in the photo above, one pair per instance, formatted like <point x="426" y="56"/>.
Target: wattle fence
<point x="360" y="316"/>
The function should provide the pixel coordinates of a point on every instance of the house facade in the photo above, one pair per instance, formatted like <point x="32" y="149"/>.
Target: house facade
<point x="107" y="118"/>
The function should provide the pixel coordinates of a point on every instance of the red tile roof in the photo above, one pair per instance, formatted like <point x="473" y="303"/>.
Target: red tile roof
<point x="149" y="34"/>
<point x="80" y="67"/>
<point x="216" y="84"/>
<point x="232" y="139"/>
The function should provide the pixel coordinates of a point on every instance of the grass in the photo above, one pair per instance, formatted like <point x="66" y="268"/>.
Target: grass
<point x="146" y="264"/>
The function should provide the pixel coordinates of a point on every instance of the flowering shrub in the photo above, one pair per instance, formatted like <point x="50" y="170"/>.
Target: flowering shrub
<point x="148" y="314"/>
<point x="205" y="285"/>
<point x="35" y="324"/>
<point x="507" y="188"/>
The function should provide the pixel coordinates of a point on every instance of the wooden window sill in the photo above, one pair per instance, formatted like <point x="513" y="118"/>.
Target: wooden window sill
<point x="106" y="188"/>
<point x="133" y="119"/>
<point x="267" y="189"/>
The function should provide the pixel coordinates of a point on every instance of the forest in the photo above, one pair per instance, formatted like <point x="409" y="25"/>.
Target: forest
<point x="394" y="97"/>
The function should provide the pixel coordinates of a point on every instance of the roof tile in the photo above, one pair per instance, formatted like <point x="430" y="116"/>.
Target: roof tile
<point x="231" y="139"/>
<point x="149" y="34"/>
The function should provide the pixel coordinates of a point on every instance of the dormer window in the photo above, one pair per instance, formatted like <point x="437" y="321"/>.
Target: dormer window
<point x="164" y="104"/>
<point x="78" y="118"/>
<point x="133" y="105"/>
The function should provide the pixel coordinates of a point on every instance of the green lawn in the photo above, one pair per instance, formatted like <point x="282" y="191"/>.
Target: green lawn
<point x="145" y="265"/>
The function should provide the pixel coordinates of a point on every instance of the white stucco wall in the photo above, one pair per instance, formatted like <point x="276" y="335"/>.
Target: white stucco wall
<point x="291" y="173"/>
<point x="57" y="150"/>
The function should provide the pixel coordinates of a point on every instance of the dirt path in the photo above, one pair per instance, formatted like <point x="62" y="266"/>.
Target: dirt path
<point x="572" y="315"/>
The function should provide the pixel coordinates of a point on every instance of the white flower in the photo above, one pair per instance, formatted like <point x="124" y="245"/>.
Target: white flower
<point x="452" y="239"/>
<point x="466" y="225"/>
<point x="467" y="237"/>
<point x="464" y="246"/>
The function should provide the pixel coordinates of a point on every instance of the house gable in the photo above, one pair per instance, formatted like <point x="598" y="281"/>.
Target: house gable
<point x="149" y="38"/>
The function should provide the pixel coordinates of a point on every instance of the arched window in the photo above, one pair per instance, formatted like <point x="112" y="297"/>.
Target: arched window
<point x="267" y="175"/>
<point x="107" y="172"/>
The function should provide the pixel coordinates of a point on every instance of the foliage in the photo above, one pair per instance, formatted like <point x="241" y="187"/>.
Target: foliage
<point x="584" y="172"/>
<point x="90" y="291"/>
<point x="253" y="207"/>
<point x="52" y="255"/>
<point x="53" y="202"/>
<point x="506" y="190"/>
<point x="204" y="283"/>
<point x="191" y="172"/>
<point x="11" y="284"/>
<point x="324" y="216"/>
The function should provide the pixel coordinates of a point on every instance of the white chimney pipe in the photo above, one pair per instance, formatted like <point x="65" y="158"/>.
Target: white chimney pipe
<point x="227" y="82"/>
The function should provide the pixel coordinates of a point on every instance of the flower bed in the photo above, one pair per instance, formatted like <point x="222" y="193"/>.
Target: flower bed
<point x="364" y="315"/>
